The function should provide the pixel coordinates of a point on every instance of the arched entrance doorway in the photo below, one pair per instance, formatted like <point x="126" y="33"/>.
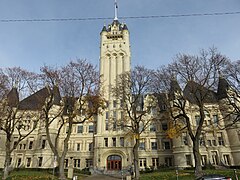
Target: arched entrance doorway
<point x="114" y="162"/>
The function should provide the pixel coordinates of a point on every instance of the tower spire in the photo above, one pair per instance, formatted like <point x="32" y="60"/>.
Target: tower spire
<point x="115" y="10"/>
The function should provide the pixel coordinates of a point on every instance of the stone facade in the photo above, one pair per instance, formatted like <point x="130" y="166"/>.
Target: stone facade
<point x="105" y="146"/>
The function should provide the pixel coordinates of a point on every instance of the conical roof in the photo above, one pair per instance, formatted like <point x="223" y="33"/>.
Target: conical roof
<point x="223" y="87"/>
<point x="174" y="88"/>
<point x="13" y="97"/>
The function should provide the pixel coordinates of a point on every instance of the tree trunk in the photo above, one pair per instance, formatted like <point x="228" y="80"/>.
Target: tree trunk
<point x="64" y="153"/>
<point x="197" y="158"/>
<point x="135" y="159"/>
<point x="61" y="168"/>
<point x="6" y="169"/>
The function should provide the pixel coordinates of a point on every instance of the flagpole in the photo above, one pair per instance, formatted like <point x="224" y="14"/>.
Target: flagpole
<point x="116" y="10"/>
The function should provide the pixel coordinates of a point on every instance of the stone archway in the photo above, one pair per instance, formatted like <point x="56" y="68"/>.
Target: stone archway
<point x="114" y="162"/>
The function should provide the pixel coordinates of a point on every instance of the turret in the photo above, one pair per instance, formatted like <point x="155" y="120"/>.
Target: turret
<point x="223" y="88"/>
<point x="174" y="89"/>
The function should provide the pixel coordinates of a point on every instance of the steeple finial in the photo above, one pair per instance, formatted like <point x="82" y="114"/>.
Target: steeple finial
<point x="116" y="10"/>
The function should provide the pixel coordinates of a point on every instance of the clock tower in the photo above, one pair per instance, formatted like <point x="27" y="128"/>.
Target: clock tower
<point x="112" y="150"/>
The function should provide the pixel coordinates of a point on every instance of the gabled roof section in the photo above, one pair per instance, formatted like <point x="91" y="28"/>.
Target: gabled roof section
<point x="13" y="98"/>
<point x="193" y="91"/>
<point x="104" y="28"/>
<point x="125" y="27"/>
<point x="56" y="96"/>
<point x="69" y="104"/>
<point x="174" y="88"/>
<point x="223" y="87"/>
<point x="35" y="101"/>
<point x="161" y="99"/>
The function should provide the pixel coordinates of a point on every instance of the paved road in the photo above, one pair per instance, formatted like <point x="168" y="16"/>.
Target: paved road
<point x="100" y="177"/>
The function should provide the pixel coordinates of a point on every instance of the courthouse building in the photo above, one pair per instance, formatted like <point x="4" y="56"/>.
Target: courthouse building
<point x="104" y="146"/>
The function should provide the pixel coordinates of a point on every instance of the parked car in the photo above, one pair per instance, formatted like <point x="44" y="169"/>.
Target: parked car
<point x="214" y="177"/>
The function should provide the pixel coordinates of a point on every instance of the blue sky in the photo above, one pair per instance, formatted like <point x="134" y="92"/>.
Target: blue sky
<point x="154" y="42"/>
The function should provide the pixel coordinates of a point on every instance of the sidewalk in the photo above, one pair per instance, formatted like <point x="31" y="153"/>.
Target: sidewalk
<point x="100" y="177"/>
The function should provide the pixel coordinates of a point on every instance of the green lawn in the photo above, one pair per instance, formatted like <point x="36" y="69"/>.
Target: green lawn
<point x="25" y="174"/>
<point x="183" y="175"/>
<point x="35" y="175"/>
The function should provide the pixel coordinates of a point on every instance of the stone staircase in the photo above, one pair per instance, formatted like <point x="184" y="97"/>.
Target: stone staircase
<point x="120" y="174"/>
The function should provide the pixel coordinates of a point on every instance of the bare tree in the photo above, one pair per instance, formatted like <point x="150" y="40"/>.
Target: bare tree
<point x="198" y="75"/>
<point x="3" y="84"/>
<point x="232" y="76"/>
<point x="12" y="117"/>
<point x="24" y="81"/>
<point x="131" y="91"/>
<point x="78" y="82"/>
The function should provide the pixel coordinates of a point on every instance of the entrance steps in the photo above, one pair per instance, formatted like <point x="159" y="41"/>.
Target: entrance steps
<point x="120" y="174"/>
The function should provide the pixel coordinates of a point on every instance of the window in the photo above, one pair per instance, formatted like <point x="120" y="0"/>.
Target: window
<point x="106" y="142"/>
<point x="142" y="162"/>
<point x="214" y="142"/>
<point x="122" y="121"/>
<point x="78" y="146"/>
<point x="66" y="163"/>
<point x="114" y="104"/>
<point x="19" y="162"/>
<point x="142" y="146"/>
<point x="168" y="161"/>
<point x="15" y="144"/>
<point x="163" y="107"/>
<point x="220" y="141"/>
<point x="80" y="129"/>
<point x="121" y="103"/>
<point x="226" y="159"/>
<point x="76" y="163"/>
<point x="153" y="128"/>
<point x="107" y="115"/>
<point x="209" y="142"/>
<point x="155" y="162"/>
<point x="30" y="145"/>
<point x="90" y="129"/>
<point x="40" y="160"/>
<point x="204" y="160"/>
<point x="122" y="126"/>
<point x="67" y="129"/>
<point x="43" y="143"/>
<point x="106" y="125"/>
<point x="214" y="158"/>
<point x="154" y="145"/>
<point x="89" y="162"/>
<point x="209" y="122"/>
<point x="28" y="162"/>
<point x="188" y="160"/>
<point x="20" y="146"/>
<point x="107" y="103"/>
<point x="239" y="135"/>
<point x="114" y="120"/>
<point x="215" y="119"/>
<point x="90" y="146"/>
<point x="114" y="142"/>
<point x="166" y="145"/>
<point x="164" y="126"/>
<point x="202" y="141"/>
<point x="197" y="119"/>
<point x="122" y="141"/>
<point x="185" y="139"/>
